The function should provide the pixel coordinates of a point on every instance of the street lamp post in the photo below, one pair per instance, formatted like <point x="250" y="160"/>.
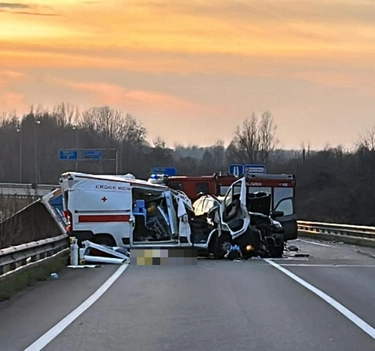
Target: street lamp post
<point x="76" y="134"/>
<point x="20" y="154"/>
<point x="36" y="152"/>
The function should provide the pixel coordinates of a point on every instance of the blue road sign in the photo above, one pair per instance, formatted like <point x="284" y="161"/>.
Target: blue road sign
<point x="92" y="154"/>
<point x="68" y="155"/>
<point x="254" y="168"/>
<point x="169" y="171"/>
<point x="236" y="169"/>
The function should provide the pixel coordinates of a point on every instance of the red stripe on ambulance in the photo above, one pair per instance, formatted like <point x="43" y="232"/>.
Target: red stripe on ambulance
<point x="103" y="218"/>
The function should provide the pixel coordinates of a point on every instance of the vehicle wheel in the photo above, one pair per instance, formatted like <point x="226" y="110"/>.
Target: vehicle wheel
<point x="104" y="239"/>
<point x="277" y="251"/>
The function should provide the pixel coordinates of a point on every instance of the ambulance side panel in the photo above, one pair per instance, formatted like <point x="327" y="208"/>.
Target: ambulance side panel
<point x="101" y="208"/>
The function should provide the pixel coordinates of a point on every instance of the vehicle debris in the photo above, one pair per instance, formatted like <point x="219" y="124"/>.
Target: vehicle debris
<point x="104" y="256"/>
<point x="79" y="256"/>
<point x="292" y="248"/>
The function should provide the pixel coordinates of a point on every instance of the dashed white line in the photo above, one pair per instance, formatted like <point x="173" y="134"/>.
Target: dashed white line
<point x="51" y="334"/>
<point x="367" y="328"/>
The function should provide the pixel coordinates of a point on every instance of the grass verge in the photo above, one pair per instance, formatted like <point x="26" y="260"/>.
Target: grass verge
<point x="26" y="276"/>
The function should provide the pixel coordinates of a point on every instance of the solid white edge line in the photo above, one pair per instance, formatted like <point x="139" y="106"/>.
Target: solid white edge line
<point x="51" y="334"/>
<point x="368" y="329"/>
<point x="327" y="265"/>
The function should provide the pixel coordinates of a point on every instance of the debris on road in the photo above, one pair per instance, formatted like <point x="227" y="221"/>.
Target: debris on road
<point x="292" y="248"/>
<point x="91" y="252"/>
<point x="105" y="254"/>
<point x="85" y="266"/>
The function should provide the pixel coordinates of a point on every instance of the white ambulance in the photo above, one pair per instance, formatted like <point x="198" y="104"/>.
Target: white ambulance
<point x="122" y="211"/>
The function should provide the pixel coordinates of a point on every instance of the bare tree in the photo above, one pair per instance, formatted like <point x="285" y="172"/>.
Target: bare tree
<point x="66" y="115"/>
<point x="367" y="141"/>
<point x="160" y="143"/>
<point x="254" y="140"/>
<point x="267" y="140"/>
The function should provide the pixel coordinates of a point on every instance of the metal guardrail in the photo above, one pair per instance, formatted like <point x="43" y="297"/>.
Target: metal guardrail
<point x="26" y="189"/>
<point x="16" y="257"/>
<point x="337" y="230"/>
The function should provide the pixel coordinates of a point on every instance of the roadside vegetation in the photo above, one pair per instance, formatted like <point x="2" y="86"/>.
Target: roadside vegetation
<point x="333" y="184"/>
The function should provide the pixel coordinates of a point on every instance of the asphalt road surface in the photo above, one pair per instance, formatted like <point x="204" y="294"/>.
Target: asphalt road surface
<point x="322" y="302"/>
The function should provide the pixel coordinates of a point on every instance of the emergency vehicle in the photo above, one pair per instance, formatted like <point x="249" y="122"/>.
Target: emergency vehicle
<point x="280" y="186"/>
<point x="122" y="211"/>
<point x="127" y="212"/>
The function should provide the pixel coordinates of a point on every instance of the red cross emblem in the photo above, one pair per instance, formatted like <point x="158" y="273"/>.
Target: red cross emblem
<point x="104" y="199"/>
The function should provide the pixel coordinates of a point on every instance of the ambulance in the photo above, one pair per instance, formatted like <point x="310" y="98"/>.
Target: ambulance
<point x="116" y="210"/>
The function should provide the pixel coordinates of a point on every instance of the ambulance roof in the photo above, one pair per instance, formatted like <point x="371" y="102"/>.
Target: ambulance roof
<point x="112" y="178"/>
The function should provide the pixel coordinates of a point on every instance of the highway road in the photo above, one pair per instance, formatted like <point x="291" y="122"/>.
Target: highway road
<point x="322" y="302"/>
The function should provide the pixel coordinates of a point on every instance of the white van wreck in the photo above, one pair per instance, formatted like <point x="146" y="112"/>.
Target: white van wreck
<point x="123" y="211"/>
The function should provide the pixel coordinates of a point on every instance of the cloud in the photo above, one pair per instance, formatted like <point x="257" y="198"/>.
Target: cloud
<point x="31" y="13"/>
<point x="13" y="5"/>
<point x="8" y="76"/>
<point x="137" y="100"/>
<point x="12" y="101"/>
<point x="22" y="9"/>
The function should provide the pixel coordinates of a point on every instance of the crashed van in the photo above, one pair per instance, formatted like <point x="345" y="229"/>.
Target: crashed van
<point x="241" y="218"/>
<point x="122" y="211"/>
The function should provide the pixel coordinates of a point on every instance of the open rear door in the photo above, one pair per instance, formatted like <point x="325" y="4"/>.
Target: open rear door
<point x="233" y="213"/>
<point x="289" y="219"/>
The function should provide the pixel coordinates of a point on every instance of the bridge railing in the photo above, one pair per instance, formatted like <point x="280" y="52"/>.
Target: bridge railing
<point x="356" y="234"/>
<point x="17" y="189"/>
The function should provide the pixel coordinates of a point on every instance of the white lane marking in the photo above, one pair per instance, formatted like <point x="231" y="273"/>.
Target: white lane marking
<point x="51" y="334"/>
<point x="326" y="265"/>
<point x="368" y="329"/>
<point x="315" y="243"/>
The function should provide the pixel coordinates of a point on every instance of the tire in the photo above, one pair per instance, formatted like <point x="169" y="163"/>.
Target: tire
<point x="104" y="239"/>
<point x="277" y="251"/>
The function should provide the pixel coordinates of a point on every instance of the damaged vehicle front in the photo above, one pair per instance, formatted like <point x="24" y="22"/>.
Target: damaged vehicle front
<point x="239" y="225"/>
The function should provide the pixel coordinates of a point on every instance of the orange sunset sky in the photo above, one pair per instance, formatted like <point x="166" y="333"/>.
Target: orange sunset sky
<point x="191" y="71"/>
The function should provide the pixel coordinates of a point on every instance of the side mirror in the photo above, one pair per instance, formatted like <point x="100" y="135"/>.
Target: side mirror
<point x="277" y="214"/>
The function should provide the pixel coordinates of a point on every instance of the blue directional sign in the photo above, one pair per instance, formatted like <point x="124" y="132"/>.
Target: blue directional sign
<point x="254" y="168"/>
<point x="169" y="171"/>
<point x="66" y="155"/>
<point x="92" y="154"/>
<point x="236" y="169"/>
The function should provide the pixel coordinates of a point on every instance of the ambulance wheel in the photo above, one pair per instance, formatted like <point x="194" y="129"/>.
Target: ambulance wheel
<point x="105" y="240"/>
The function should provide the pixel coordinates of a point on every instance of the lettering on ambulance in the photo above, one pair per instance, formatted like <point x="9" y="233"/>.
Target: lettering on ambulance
<point x="112" y="187"/>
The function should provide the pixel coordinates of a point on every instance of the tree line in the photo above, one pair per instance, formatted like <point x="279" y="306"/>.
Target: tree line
<point x="332" y="184"/>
